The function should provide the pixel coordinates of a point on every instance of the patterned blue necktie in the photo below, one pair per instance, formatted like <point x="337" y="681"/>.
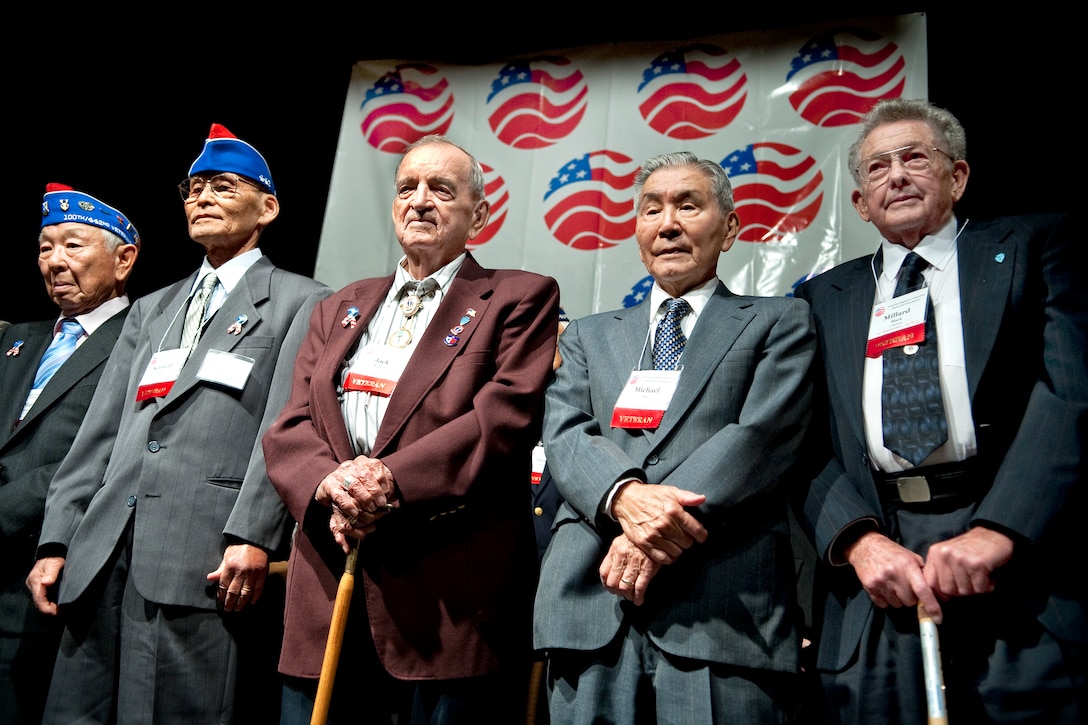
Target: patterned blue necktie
<point x="669" y="339"/>
<point x="59" y="350"/>
<point x="913" y="411"/>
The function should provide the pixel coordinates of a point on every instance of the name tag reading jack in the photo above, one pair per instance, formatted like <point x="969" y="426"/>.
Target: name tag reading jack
<point x="645" y="398"/>
<point x="377" y="370"/>
<point x="899" y="321"/>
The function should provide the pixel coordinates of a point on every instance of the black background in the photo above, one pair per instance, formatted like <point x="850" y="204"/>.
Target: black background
<point x="120" y="106"/>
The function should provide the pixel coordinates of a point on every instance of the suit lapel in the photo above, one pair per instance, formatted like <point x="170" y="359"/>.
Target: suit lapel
<point x="90" y="354"/>
<point x="717" y="329"/>
<point x="341" y="341"/>
<point x="986" y="268"/>
<point x="847" y="323"/>
<point x="19" y="370"/>
<point x="466" y="305"/>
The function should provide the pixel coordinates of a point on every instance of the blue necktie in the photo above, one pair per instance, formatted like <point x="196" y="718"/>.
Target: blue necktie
<point x="914" y="421"/>
<point x="59" y="350"/>
<point x="669" y="339"/>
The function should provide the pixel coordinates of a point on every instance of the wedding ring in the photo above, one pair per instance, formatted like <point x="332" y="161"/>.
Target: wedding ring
<point x="345" y="483"/>
<point x="628" y="582"/>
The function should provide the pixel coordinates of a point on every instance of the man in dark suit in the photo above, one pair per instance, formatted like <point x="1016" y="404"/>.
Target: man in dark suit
<point x="977" y="525"/>
<point x="162" y="519"/>
<point x="667" y="592"/>
<point x="416" y="404"/>
<point x="86" y="252"/>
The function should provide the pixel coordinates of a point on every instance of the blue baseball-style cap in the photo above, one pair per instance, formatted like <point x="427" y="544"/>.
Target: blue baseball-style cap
<point x="62" y="204"/>
<point x="223" y="151"/>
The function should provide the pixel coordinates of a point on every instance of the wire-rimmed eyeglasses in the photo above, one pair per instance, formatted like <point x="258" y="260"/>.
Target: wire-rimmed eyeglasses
<point x="916" y="157"/>
<point x="223" y="186"/>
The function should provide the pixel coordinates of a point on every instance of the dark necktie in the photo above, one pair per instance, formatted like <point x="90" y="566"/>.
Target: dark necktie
<point x="59" y="350"/>
<point x="669" y="339"/>
<point x="198" y="308"/>
<point x="913" y="411"/>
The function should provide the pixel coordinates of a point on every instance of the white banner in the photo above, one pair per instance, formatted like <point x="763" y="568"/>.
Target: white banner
<point x="561" y="134"/>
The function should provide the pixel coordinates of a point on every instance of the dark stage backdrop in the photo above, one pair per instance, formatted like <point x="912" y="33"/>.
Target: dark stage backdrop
<point x="121" y="114"/>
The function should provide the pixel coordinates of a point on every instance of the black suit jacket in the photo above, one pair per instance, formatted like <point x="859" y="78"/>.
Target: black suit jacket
<point x="31" y="451"/>
<point x="1024" y="305"/>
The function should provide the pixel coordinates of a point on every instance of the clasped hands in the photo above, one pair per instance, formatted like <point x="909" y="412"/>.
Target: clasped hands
<point x="657" y="529"/>
<point x="360" y="492"/>
<point x="894" y="576"/>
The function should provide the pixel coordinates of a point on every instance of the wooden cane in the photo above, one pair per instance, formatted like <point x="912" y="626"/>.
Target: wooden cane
<point x="336" y="639"/>
<point x="931" y="667"/>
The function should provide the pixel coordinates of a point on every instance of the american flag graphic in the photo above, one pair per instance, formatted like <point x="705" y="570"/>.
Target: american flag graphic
<point x="776" y="189"/>
<point x="841" y="74"/>
<point x="588" y="204"/>
<point x="639" y="292"/>
<point x="692" y="92"/>
<point x="537" y="102"/>
<point x="404" y="105"/>
<point x="498" y="196"/>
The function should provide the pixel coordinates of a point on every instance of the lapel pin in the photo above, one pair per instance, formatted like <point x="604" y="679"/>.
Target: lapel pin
<point x="236" y="328"/>
<point x="1000" y="258"/>
<point x="13" y="351"/>
<point x="351" y="318"/>
<point x="452" y="340"/>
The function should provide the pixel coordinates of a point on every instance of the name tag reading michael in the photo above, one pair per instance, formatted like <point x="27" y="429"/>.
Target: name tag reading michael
<point x="225" y="368"/>
<point x="899" y="321"/>
<point x="645" y="398"/>
<point x="377" y="370"/>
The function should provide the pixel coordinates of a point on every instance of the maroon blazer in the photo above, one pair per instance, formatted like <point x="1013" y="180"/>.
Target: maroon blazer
<point x="448" y="577"/>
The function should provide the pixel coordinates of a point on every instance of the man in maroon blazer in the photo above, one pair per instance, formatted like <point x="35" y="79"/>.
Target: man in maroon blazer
<point x="416" y="402"/>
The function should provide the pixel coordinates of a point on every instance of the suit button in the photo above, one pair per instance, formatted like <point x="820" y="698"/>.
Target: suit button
<point x="131" y="501"/>
<point x="652" y="460"/>
<point x="153" y="446"/>
<point x="538" y="511"/>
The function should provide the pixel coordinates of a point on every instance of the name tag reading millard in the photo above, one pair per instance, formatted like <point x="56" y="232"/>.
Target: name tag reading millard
<point x="897" y="322"/>
<point x="225" y="368"/>
<point x="162" y="370"/>
<point x="377" y="370"/>
<point x="645" y="398"/>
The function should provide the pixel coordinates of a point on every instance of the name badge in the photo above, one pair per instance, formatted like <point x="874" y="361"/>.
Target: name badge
<point x="645" y="398"/>
<point x="897" y="322"/>
<point x="225" y="368"/>
<point x="539" y="459"/>
<point x="162" y="370"/>
<point x="377" y="370"/>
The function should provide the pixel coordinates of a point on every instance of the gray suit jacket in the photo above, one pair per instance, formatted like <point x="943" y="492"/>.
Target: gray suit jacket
<point x="186" y="469"/>
<point x="31" y="452"/>
<point x="731" y="430"/>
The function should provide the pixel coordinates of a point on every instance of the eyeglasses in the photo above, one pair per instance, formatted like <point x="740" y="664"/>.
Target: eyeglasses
<point x="875" y="169"/>
<point x="223" y="186"/>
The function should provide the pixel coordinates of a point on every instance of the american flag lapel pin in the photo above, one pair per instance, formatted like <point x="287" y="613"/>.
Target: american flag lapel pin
<point x="13" y="351"/>
<point x="351" y="318"/>
<point x="237" y="325"/>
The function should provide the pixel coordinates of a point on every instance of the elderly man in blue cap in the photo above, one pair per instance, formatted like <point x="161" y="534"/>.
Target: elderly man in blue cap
<point x="86" y="252"/>
<point x="162" y="519"/>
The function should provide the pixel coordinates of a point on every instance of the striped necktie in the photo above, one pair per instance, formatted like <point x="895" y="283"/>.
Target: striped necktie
<point x="198" y="308"/>
<point x="59" y="350"/>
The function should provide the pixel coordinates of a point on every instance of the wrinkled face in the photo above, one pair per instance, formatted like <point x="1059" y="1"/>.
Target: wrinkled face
<point x="681" y="230"/>
<point x="80" y="272"/>
<point x="434" y="214"/>
<point x="907" y="204"/>
<point x="226" y="226"/>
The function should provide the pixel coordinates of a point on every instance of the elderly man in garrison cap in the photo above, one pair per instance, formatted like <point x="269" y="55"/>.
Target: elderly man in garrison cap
<point x="161" y="523"/>
<point x="86" y="252"/>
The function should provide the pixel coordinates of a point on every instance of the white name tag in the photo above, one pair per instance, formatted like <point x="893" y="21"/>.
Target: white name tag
<point x="897" y="322"/>
<point x="645" y="398"/>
